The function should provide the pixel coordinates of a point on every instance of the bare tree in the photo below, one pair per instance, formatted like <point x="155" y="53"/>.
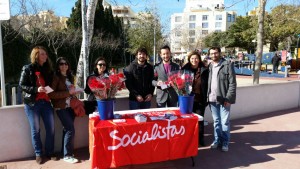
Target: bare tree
<point x="87" y="33"/>
<point x="26" y="20"/>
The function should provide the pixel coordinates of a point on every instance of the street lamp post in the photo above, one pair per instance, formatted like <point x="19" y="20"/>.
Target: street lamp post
<point x="154" y="44"/>
<point x="297" y="52"/>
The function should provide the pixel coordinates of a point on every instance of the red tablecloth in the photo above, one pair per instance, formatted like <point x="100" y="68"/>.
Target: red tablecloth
<point x="117" y="144"/>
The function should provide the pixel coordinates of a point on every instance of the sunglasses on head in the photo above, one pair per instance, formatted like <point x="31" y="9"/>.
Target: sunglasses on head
<point x="101" y="64"/>
<point x="63" y="63"/>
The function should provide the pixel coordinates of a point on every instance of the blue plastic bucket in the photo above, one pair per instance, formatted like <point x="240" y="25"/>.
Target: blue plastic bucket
<point x="106" y="109"/>
<point x="186" y="104"/>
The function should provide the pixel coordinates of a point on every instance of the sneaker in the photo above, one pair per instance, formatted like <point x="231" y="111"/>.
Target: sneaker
<point x="214" y="145"/>
<point x="70" y="159"/>
<point x="225" y="148"/>
<point x="39" y="159"/>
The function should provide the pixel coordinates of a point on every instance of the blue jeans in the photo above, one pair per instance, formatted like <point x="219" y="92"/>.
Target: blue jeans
<point x="67" y="118"/>
<point x="133" y="105"/>
<point x="42" y="109"/>
<point x="221" y="116"/>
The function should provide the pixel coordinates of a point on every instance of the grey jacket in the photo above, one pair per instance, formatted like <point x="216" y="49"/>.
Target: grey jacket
<point x="160" y="74"/>
<point x="226" y="82"/>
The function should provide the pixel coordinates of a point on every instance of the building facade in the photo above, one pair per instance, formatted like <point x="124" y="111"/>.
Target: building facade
<point x="199" y="18"/>
<point x="124" y="12"/>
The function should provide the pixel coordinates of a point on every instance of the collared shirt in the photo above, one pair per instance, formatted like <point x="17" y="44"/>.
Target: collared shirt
<point x="212" y="97"/>
<point x="167" y="68"/>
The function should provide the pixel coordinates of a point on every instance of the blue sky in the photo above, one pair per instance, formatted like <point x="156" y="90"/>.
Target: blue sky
<point x="165" y="8"/>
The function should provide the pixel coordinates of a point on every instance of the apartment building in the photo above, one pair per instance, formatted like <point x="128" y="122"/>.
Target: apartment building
<point x="199" y="18"/>
<point x="122" y="11"/>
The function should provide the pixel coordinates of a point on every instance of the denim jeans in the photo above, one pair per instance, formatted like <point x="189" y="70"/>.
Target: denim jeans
<point x="221" y="116"/>
<point x="133" y="105"/>
<point x="67" y="118"/>
<point x="42" y="109"/>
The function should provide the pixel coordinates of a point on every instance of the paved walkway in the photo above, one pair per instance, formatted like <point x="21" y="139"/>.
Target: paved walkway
<point x="269" y="141"/>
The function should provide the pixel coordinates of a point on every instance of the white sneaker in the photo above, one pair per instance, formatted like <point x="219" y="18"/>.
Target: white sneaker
<point x="225" y="148"/>
<point x="70" y="159"/>
<point x="214" y="145"/>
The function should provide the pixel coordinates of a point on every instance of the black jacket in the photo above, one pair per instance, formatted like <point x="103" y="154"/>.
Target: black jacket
<point x="28" y="81"/>
<point x="200" y="83"/>
<point x="139" y="79"/>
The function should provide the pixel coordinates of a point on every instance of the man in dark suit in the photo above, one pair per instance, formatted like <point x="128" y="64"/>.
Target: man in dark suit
<point x="165" y="94"/>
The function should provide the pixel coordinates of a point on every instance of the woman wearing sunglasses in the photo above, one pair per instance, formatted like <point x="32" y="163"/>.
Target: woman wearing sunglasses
<point x="100" y="69"/>
<point x="63" y="86"/>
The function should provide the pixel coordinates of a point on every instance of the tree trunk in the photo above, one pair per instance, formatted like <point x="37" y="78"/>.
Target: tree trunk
<point x="83" y="52"/>
<point x="260" y="35"/>
<point x="90" y="28"/>
<point x="87" y="34"/>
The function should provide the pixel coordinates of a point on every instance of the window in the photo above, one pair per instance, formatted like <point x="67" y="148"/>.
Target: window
<point x="228" y="17"/>
<point x="178" y="19"/>
<point x="218" y="17"/>
<point x="192" y="40"/>
<point x="204" y="17"/>
<point x="192" y="17"/>
<point x="177" y="43"/>
<point x="218" y="24"/>
<point x="192" y="25"/>
<point x="205" y="25"/>
<point x="178" y="33"/>
<point x="204" y="32"/>
<point x="192" y="32"/>
<point x="233" y="18"/>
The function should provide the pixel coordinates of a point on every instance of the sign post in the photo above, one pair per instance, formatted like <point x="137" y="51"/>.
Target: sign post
<point x="4" y="15"/>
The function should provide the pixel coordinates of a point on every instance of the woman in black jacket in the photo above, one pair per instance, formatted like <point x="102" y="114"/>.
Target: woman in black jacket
<point x="100" y="69"/>
<point x="34" y="78"/>
<point x="199" y="88"/>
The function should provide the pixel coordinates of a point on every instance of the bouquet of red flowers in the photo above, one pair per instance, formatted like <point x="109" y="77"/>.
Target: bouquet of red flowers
<point x="181" y="81"/>
<point x="106" y="87"/>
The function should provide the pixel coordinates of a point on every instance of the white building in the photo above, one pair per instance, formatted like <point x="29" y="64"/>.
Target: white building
<point x="123" y="12"/>
<point x="199" y="18"/>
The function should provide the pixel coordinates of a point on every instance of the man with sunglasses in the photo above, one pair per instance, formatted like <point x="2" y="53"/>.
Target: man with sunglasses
<point x="139" y="75"/>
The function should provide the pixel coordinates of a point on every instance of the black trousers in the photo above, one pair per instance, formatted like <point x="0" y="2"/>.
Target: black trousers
<point x="200" y="109"/>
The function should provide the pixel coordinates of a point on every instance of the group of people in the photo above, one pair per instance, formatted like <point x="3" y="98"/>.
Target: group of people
<point x="213" y="85"/>
<point x="39" y="103"/>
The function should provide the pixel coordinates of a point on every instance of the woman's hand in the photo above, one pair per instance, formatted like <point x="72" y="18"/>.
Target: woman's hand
<point x="42" y="89"/>
<point x="72" y="91"/>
